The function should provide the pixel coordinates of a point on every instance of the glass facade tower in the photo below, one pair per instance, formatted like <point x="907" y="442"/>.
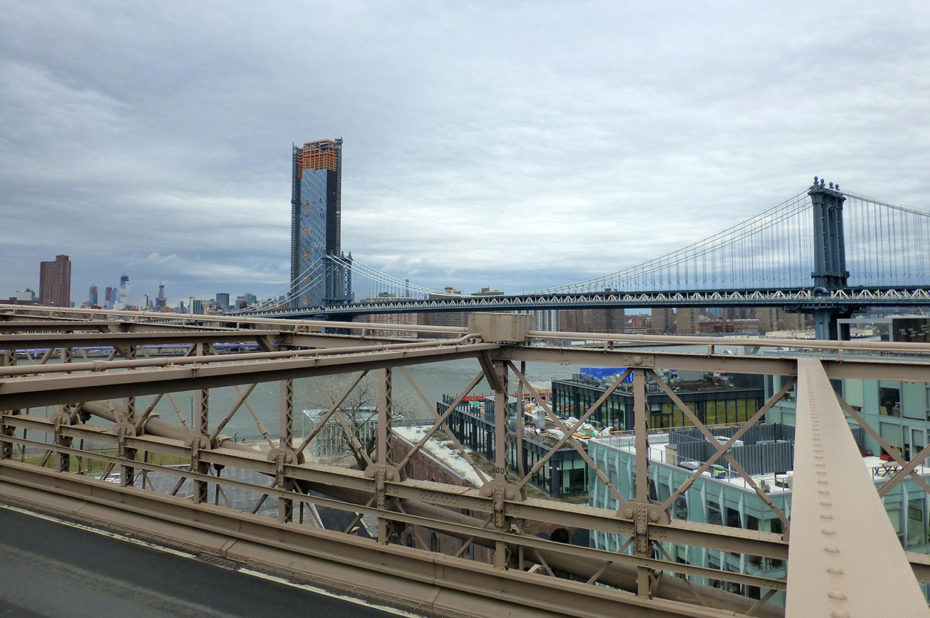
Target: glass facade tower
<point x="320" y="274"/>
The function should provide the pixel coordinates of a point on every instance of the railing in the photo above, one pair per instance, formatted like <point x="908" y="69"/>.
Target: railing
<point x="384" y="518"/>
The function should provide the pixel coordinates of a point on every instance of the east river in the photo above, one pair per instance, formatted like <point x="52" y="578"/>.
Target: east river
<point x="434" y="379"/>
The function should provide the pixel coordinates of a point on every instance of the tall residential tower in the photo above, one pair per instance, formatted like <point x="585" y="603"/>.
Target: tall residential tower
<point x="320" y="274"/>
<point x="55" y="282"/>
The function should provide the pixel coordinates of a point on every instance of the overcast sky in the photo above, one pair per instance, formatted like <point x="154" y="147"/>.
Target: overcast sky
<point x="514" y="145"/>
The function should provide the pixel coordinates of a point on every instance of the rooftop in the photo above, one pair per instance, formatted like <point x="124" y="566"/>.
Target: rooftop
<point x="662" y="450"/>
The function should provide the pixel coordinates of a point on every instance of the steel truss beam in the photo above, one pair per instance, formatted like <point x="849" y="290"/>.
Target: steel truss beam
<point x="561" y="555"/>
<point x="844" y="557"/>
<point x="496" y="510"/>
<point x="393" y="573"/>
<point x="213" y="372"/>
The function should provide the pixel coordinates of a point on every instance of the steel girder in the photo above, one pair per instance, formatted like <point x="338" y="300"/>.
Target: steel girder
<point x="498" y="505"/>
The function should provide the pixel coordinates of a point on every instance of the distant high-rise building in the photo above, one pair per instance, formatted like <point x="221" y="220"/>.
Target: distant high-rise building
<point x="663" y="320"/>
<point x="688" y="320"/>
<point x="55" y="282"/>
<point x="28" y="295"/>
<point x="108" y="297"/>
<point x="93" y="295"/>
<point x="222" y="301"/>
<point x="316" y="213"/>
<point x="590" y="320"/>
<point x="197" y="306"/>
<point x="161" y="301"/>
<point x="123" y="291"/>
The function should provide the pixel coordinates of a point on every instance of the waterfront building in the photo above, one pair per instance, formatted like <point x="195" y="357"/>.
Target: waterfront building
<point x="444" y="318"/>
<point x="713" y="398"/>
<point x="899" y="411"/>
<point x="408" y="319"/>
<point x="316" y="212"/>
<point x="55" y="282"/>
<point x="688" y="320"/>
<point x="599" y="320"/>
<point x="566" y="474"/>
<point x="663" y="320"/>
<point x="721" y="496"/>
<point x="547" y="319"/>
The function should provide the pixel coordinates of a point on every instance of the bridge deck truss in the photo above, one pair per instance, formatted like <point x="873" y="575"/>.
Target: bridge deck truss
<point x="94" y="439"/>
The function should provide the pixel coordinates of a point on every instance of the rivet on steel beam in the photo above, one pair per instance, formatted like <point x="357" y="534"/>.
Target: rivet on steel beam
<point x="839" y="613"/>
<point x="837" y="595"/>
<point x="826" y="503"/>
<point x="823" y="492"/>
<point x="826" y="516"/>
<point x="835" y="570"/>
<point x="828" y="531"/>
<point x="832" y="549"/>
<point x="821" y="473"/>
<point x="823" y="482"/>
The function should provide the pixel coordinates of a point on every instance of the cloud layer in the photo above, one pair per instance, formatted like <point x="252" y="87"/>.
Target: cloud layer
<point x="515" y="145"/>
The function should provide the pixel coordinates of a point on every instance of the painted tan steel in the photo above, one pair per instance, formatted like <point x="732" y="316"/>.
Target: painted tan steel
<point x="844" y="558"/>
<point x="496" y="507"/>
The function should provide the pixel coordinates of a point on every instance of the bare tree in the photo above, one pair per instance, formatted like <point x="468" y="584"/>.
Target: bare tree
<point x="361" y="416"/>
<point x="356" y="434"/>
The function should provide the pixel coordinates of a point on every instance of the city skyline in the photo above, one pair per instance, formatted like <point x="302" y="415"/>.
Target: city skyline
<point x="514" y="147"/>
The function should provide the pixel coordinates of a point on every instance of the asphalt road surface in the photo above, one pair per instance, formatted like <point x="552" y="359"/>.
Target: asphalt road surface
<point x="49" y="568"/>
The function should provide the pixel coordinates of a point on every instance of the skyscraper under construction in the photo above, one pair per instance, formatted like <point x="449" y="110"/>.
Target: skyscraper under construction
<point x="320" y="274"/>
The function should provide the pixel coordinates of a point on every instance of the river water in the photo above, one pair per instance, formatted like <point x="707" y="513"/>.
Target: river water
<point x="434" y="379"/>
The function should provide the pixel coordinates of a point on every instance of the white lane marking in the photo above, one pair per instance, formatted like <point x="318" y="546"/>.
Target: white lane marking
<point x="106" y="533"/>
<point x="322" y="591"/>
<point x="183" y="554"/>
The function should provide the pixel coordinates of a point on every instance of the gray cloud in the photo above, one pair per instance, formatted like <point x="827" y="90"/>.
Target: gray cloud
<point x="515" y="146"/>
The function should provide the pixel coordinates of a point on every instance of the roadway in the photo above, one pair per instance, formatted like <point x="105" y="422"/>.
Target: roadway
<point x="50" y="568"/>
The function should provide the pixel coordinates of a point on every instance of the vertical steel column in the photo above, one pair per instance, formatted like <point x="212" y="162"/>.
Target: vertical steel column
<point x="385" y="415"/>
<point x="520" y="428"/>
<point x="640" y="513"/>
<point x="641" y="439"/>
<point x="501" y="411"/>
<point x="382" y="445"/>
<point x="286" y="447"/>
<point x="64" y="418"/>
<point x="201" y="437"/>
<point x="127" y="427"/>
<point x="7" y="359"/>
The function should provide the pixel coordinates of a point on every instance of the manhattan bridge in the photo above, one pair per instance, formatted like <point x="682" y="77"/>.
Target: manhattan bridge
<point x="821" y="251"/>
